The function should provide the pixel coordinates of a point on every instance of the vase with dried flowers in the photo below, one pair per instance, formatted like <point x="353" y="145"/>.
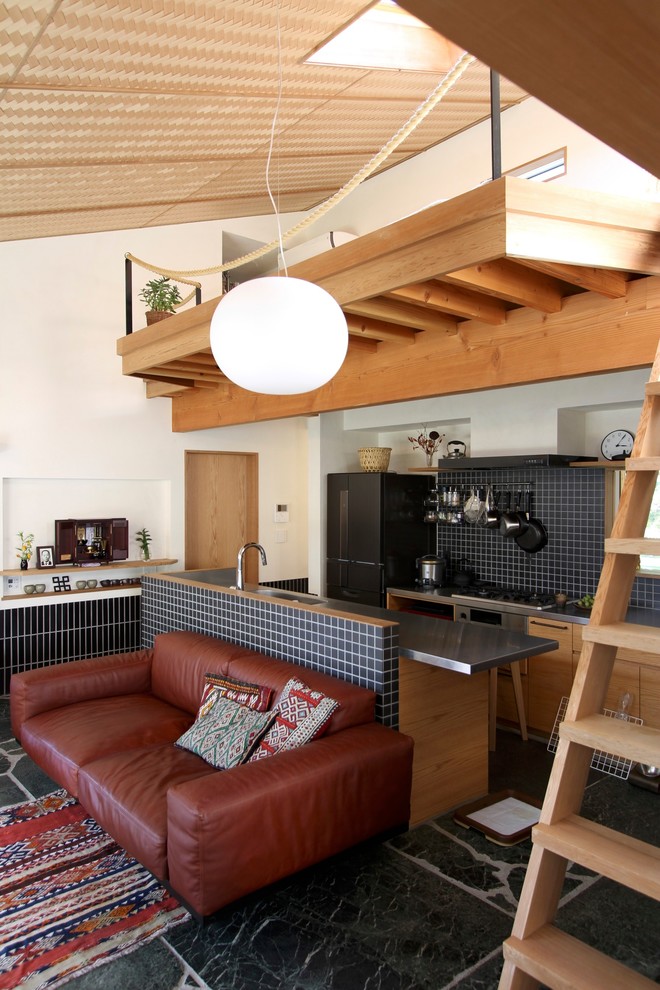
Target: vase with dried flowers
<point x="429" y="443"/>
<point x="24" y="552"/>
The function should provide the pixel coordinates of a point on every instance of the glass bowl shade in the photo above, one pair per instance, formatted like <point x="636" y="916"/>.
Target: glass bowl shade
<point x="279" y="335"/>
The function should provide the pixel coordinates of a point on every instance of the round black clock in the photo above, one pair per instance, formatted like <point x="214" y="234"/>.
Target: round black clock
<point x="617" y="445"/>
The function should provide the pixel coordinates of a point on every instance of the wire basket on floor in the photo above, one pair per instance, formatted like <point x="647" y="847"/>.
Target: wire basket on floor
<point x="374" y="458"/>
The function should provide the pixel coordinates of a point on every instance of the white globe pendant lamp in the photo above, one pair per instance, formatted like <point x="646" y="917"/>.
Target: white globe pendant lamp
<point x="278" y="335"/>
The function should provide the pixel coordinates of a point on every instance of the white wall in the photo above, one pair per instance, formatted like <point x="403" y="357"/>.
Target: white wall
<point x="69" y="418"/>
<point x="77" y="436"/>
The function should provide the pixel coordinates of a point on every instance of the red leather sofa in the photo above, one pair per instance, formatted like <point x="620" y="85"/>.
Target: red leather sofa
<point x="104" y="729"/>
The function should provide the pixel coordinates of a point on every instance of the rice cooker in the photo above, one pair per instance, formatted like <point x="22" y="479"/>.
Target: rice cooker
<point x="431" y="570"/>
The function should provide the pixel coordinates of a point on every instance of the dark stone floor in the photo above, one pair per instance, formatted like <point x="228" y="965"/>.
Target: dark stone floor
<point x="427" y="910"/>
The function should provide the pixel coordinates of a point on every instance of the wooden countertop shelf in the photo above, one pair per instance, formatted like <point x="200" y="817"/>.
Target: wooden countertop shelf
<point x="75" y="568"/>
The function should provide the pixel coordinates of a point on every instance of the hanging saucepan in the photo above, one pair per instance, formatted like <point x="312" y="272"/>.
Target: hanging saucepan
<point x="534" y="538"/>
<point x="513" y="522"/>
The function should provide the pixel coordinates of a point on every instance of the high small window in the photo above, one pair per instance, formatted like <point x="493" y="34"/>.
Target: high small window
<point x="542" y="169"/>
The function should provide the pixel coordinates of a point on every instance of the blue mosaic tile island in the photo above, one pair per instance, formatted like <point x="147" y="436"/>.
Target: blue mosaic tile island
<point x="362" y="651"/>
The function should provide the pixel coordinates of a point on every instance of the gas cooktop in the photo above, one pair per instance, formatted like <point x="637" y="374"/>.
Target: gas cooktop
<point x="511" y="596"/>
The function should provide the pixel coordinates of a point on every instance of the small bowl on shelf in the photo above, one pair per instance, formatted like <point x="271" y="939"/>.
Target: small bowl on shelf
<point x="80" y="585"/>
<point x="92" y="583"/>
<point x="40" y="588"/>
<point x="28" y="589"/>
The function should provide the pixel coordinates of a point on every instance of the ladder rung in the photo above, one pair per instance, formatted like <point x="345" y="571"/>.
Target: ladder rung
<point x="633" y="545"/>
<point x="652" y="388"/>
<point x="646" y="639"/>
<point x="615" y="735"/>
<point x="562" y="962"/>
<point x="643" y="464"/>
<point x="620" y="857"/>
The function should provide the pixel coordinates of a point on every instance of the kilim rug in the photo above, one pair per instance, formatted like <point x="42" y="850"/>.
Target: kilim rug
<point x="70" y="897"/>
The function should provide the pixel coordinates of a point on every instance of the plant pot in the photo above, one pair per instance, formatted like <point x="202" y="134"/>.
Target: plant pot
<point x="156" y="315"/>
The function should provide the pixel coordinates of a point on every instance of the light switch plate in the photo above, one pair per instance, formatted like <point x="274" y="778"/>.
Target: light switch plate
<point x="281" y="513"/>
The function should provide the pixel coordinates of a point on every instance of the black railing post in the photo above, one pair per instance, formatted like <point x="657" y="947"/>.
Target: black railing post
<point x="128" y="273"/>
<point x="495" y="125"/>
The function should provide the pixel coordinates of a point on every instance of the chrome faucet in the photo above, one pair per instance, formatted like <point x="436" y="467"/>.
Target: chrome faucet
<point x="240" y="583"/>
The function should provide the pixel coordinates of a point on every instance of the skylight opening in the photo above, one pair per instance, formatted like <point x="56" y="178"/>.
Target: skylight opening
<point x="388" y="37"/>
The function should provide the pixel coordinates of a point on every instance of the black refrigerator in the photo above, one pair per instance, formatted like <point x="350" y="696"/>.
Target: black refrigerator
<point x="375" y="532"/>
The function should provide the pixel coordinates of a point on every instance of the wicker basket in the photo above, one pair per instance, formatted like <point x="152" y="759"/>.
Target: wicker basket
<point x="374" y="458"/>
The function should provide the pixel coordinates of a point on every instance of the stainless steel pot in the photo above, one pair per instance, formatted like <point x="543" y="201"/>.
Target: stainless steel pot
<point x="431" y="570"/>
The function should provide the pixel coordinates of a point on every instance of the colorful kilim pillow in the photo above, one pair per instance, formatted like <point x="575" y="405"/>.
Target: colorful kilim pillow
<point x="217" y="686"/>
<point x="300" y="716"/>
<point x="226" y="735"/>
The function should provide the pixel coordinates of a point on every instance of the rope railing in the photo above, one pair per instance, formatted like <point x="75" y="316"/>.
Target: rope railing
<point x="424" y="109"/>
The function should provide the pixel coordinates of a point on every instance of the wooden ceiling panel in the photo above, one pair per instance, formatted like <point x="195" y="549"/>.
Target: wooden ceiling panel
<point x="193" y="85"/>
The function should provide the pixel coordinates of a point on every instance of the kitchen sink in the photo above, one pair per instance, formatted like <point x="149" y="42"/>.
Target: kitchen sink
<point x="287" y="596"/>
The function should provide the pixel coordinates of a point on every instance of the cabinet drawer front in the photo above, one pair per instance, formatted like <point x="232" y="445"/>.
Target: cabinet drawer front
<point x="561" y="631"/>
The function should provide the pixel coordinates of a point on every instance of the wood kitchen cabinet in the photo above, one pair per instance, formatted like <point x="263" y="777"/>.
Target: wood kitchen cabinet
<point x="447" y="715"/>
<point x="550" y="675"/>
<point x="625" y="675"/>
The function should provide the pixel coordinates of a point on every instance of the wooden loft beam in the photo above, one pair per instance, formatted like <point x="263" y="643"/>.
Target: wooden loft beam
<point x="363" y="328"/>
<point x="402" y="314"/>
<point x="452" y="299"/>
<point x="593" y="62"/>
<point x="505" y="279"/>
<point x="605" y="282"/>
<point x="590" y="335"/>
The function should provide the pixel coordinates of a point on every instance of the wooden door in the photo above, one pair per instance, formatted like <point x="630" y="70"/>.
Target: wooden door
<point x="222" y="499"/>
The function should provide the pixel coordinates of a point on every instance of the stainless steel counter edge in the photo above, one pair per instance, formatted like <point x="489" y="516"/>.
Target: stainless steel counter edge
<point x="636" y="615"/>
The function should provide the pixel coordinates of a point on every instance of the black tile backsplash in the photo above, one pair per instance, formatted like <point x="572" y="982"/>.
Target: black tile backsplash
<point x="344" y="647"/>
<point x="38" y="635"/>
<point x="571" y="504"/>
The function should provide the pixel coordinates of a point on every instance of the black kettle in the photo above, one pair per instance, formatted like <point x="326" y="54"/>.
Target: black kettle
<point x="463" y="574"/>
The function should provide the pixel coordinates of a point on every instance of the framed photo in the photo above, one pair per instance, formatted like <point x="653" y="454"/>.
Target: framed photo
<point x="45" y="556"/>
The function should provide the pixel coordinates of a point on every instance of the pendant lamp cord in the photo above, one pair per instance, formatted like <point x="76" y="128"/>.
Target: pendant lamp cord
<point x="273" y="128"/>
<point x="422" y="111"/>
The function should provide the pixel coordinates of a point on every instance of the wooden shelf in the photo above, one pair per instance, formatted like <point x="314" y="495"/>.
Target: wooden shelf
<point x="70" y="591"/>
<point x="612" y="465"/>
<point x="39" y="575"/>
<point x="74" y="568"/>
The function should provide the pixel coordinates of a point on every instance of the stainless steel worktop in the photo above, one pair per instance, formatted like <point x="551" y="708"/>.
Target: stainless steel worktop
<point x="639" y="616"/>
<point x="463" y="647"/>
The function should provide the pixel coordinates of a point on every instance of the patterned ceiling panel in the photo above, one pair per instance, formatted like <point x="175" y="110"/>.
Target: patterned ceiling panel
<point x="119" y="113"/>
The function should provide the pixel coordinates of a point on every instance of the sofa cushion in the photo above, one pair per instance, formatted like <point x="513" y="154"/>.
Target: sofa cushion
<point x="181" y="661"/>
<point x="218" y="686"/>
<point x="356" y="704"/>
<point x="300" y="716"/>
<point x="225" y="736"/>
<point x="64" y="739"/>
<point x="127" y="794"/>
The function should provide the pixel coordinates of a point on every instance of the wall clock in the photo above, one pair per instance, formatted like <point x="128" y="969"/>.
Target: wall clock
<point x="617" y="445"/>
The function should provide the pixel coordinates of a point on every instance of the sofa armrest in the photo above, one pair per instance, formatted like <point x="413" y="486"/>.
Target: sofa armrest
<point x="241" y="829"/>
<point x="46" y="688"/>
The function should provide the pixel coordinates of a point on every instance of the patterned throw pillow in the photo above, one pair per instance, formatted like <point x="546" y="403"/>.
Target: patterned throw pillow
<point x="300" y="716"/>
<point x="218" y="686"/>
<point x="226" y="735"/>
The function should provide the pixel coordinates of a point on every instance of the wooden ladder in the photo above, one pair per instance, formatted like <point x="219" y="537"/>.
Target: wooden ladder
<point x="537" y="951"/>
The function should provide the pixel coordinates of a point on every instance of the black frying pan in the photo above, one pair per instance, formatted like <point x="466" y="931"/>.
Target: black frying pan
<point x="534" y="538"/>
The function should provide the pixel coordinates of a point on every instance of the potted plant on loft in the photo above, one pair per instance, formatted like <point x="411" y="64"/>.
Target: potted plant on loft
<point x="160" y="296"/>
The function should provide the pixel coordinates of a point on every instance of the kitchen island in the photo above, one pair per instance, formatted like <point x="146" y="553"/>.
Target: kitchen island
<point x="430" y="677"/>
